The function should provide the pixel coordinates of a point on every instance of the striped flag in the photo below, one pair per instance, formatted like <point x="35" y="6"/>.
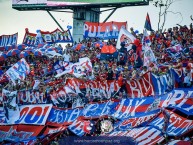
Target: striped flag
<point x="148" y="23"/>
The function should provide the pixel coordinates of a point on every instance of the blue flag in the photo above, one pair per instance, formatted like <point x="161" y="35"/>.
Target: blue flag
<point x="148" y="23"/>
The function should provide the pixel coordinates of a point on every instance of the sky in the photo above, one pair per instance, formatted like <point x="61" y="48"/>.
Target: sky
<point x="13" y="21"/>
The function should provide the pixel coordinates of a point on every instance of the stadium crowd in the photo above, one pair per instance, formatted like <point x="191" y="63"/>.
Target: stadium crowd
<point x="127" y="65"/>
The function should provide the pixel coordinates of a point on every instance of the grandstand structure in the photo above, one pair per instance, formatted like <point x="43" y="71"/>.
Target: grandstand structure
<point x="83" y="10"/>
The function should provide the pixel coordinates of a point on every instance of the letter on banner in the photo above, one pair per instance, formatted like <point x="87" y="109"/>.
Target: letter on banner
<point x="86" y="28"/>
<point x="99" y="34"/>
<point x="115" y="30"/>
<point x="107" y="32"/>
<point x="34" y="114"/>
<point x="90" y="33"/>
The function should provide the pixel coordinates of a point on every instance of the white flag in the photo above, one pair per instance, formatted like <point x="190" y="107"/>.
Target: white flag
<point x="18" y="71"/>
<point x="125" y="37"/>
<point x="37" y="82"/>
<point x="148" y="56"/>
<point x="146" y="39"/>
<point x="78" y="69"/>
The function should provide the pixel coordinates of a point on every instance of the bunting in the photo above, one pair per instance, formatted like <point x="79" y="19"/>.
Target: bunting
<point x="56" y="36"/>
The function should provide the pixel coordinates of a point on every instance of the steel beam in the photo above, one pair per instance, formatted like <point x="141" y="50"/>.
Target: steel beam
<point x="55" y="20"/>
<point x="110" y="15"/>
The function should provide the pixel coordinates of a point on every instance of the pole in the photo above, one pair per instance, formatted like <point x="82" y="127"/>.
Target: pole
<point x="55" y="20"/>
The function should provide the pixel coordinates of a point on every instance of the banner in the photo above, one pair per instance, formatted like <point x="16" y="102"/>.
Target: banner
<point x="108" y="30"/>
<point x="178" y="75"/>
<point x="101" y="89"/>
<point x="6" y="132"/>
<point x="58" y="116"/>
<point x="132" y="107"/>
<point x="82" y="92"/>
<point x="141" y="135"/>
<point x="117" y="133"/>
<point x="34" y="114"/>
<point x="10" y="106"/>
<point x="125" y="37"/>
<point x="27" y="114"/>
<point x="162" y="84"/>
<point x="19" y="133"/>
<point x="97" y="110"/>
<point x="140" y="88"/>
<point x="149" y="56"/>
<point x="159" y="122"/>
<point x="179" y="99"/>
<point x="31" y="97"/>
<point x="140" y="120"/>
<point x="51" y="130"/>
<point x="146" y="135"/>
<point x="83" y="67"/>
<point x="56" y="36"/>
<point x="178" y="125"/>
<point x="18" y="71"/>
<point x="8" y="40"/>
<point x="79" y="127"/>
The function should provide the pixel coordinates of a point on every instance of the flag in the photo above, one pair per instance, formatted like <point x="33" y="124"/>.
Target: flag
<point x="18" y="71"/>
<point x="36" y="83"/>
<point x="175" y="49"/>
<point x="57" y="66"/>
<point x="107" y="30"/>
<point x="149" y="56"/>
<point x="8" y="40"/>
<point x="78" y="69"/>
<point x="9" y="98"/>
<point x="56" y="36"/>
<point x="148" y="23"/>
<point x="146" y="40"/>
<point x="125" y="37"/>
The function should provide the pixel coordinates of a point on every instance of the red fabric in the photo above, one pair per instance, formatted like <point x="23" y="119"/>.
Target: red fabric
<point x="86" y="124"/>
<point x="120" y="80"/>
<point x="112" y="49"/>
<point x="32" y="72"/>
<point x="108" y="49"/>
<point x="105" y="49"/>
<point x="78" y="47"/>
<point x="97" y="45"/>
<point x="137" y="42"/>
<point x="132" y="59"/>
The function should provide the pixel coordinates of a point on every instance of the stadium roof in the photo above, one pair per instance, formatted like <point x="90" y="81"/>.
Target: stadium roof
<point x="26" y="5"/>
